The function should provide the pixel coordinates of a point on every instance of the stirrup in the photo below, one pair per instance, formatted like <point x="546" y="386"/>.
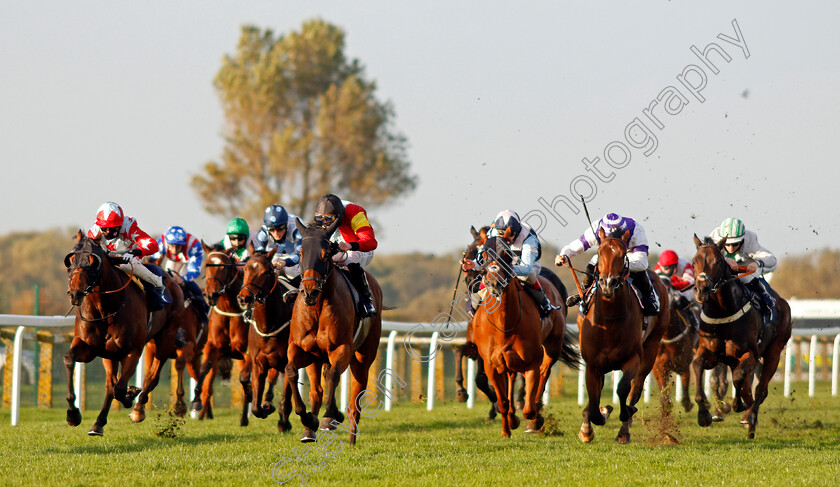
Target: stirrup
<point x="573" y="300"/>
<point x="368" y="310"/>
<point x="164" y="295"/>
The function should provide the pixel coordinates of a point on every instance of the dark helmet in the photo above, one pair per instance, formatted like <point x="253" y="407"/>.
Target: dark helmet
<point x="275" y="216"/>
<point x="330" y="204"/>
<point x="508" y="219"/>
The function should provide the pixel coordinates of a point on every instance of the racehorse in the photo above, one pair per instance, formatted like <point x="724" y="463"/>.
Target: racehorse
<point x="111" y="322"/>
<point x="613" y="337"/>
<point x="731" y="333"/>
<point x="324" y="320"/>
<point x="191" y="337"/>
<point x="268" y="335"/>
<point x="227" y="333"/>
<point x="510" y="337"/>
<point x="676" y="350"/>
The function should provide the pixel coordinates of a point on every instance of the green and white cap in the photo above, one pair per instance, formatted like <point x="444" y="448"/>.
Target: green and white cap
<point x="733" y="229"/>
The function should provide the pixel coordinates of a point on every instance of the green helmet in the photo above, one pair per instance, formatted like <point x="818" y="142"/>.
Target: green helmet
<point x="733" y="229"/>
<point x="237" y="226"/>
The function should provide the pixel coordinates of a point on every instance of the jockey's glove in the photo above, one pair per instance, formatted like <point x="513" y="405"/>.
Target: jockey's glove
<point x="132" y="254"/>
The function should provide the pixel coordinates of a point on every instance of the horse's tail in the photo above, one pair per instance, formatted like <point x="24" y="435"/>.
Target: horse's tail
<point x="389" y="308"/>
<point x="569" y="354"/>
<point x="552" y="277"/>
<point x="469" y="350"/>
<point x="225" y="366"/>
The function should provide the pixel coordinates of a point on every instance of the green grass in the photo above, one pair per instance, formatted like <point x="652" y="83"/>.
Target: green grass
<point x="798" y="443"/>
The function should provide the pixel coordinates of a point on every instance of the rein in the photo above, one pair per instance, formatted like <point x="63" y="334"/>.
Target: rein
<point x="89" y="290"/>
<point x="271" y="276"/>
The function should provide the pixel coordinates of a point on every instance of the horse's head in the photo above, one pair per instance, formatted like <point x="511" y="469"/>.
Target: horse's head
<point x="84" y="264"/>
<point x="316" y="254"/>
<point x="497" y="261"/>
<point x="710" y="267"/>
<point x="259" y="279"/>
<point x="220" y="272"/>
<point x="471" y="277"/>
<point x="612" y="261"/>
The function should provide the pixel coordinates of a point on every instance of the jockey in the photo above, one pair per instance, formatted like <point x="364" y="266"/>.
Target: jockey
<point x="122" y="236"/>
<point x="526" y="248"/>
<point x="237" y="237"/>
<point x="184" y="255"/>
<point x="355" y="239"/>
<point x="279" y="231"/>
<point x="742" y="248"/>
<point x="677" y="270"/>
<point x="637" y="257"/>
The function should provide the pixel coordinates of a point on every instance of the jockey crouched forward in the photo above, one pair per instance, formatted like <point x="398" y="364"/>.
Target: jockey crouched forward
<point x="680" y="274"/>
<point x="280" y="232"/>
<point x="355" y="240"/>
<point x="237" y="236"/>
<point x="525" y="244"/>
<point x="122" y="237"/>
<point x="742" y="249"/>
<point x="184" y="255"/>
<point x="637" y="257"/>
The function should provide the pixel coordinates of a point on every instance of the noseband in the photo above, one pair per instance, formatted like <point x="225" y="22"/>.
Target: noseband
<point x="227" y="266"/>
<point x="714" y="287"/>
<point x="261" y="287"/>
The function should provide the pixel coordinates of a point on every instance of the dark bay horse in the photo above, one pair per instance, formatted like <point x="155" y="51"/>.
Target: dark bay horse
<point x="324" y="321"/>
<point x="612" y="337"/>
<point x="730" y="330"/>
<point x="268" y="335"/>
<point x="111" y="322"/>
<point x="676" y="350"/>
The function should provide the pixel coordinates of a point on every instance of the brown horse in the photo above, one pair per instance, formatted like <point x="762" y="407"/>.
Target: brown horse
<point x="191" y="339"/>
<point x="613" y="337"/>
<point x="324" y="323"/>
<point x="510" y="337"/>
<point x="111" y="322"/>
<point x="731" y="333"/>
<point x="676" y="350"/>
<point x="268" y="335"/>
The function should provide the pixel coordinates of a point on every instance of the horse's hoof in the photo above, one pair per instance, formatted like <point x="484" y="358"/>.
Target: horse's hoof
<point x="586" y="437"/>
<point x="739" y="406"/>
<point x="688" y="406"/>
<point x="535" y="425"/>
<point x="195" y="406"/>
<point x="96" y="430"/>
<point x="326" y="424"/>
<point x="308" y="436"/>
<point x="339" y="417"/>
<point x="726" y="408"/>
<point x="704" y="418"/>
<point x="268" y="408"/>
<point x="491" y="415"/>
<point x="243" y="421"/>
<point x="284" y="426"/>
<point x="132" y="392"/>
<point x="258" y="412"/>
<point x="623" y="439"/>
<point x="505" y="434"/>
<point x="180" y="409"/>
<point x="74" y="417"/>
<point x="137" y="416"/>
<point x="514" y="422"/>
<point x="462" y="395"/>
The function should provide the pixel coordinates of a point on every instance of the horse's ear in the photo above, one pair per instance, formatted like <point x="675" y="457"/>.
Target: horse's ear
<point x="474" y="232"/>
<point x="301" y="227"/>
<point x="626" y="237"/>
<point x="271" y="254"/>
<point x="207" y="248"/>
<point x="721" y="243"/>
<point x="251" y="249"/>
<point x="601" y="233"/>
<point x="697" y="241"/>
<point x="79" y="235"/>
<point x="67" y="262"/>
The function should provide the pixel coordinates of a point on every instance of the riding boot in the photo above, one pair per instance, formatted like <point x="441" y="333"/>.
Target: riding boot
<point x="359" y="279"/>
<point x="540" y="298"/>
<point x="768" y="304"/>
<point x="588" y="278"/>
<point x="650" y="299"/>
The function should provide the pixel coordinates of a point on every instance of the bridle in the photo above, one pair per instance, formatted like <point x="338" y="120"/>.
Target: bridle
<point x="258" y="296"/>
<point x="92" y="277"/>
<point x="714" y="287"/>
<point x="503" y="276"/>
<point x="625" y="271"/>
<point x="228" y="266"/>
<point x="325" y="275"/>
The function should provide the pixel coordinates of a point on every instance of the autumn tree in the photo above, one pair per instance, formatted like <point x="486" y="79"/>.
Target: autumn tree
<point x="301" y="120"/>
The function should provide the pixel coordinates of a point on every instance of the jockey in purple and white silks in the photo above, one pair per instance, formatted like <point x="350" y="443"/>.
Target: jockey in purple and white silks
<point x="637" y="257"/>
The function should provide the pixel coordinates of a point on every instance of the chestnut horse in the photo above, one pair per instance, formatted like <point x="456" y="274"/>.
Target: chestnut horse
<point x="676" y="350"/>
<point x="191" y="339"/>
<point x="612" y="337"/>
<point x="111" y="322"/>
<point x="268" y="335"/>
<point x="324" y="321"/>
<point x="730" y="330"/>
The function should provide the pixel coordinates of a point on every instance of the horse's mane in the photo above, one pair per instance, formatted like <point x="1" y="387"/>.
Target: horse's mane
<point x="707" y="240"/>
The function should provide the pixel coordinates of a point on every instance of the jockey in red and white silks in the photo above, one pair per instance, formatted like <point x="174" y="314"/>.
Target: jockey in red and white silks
<point x="679" y="271"/>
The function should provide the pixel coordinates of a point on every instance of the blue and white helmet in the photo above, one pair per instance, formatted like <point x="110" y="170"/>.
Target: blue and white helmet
<point x="176" y="236"/>
<point x="507" y="219"/>
<point x="613" y="223"/>
<point x="275" y="215"/>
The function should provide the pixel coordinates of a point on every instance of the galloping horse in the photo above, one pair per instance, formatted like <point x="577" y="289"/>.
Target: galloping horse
<point x="676" y="350"/>
<point x="111" y="322"/>
<point x="613" y="337"/>
<point x="268" y="335"/>
<point x="324" y="321"/>
<point x="193" y="337"/>
<point x="510" y="337"/>
<point x="731" y="333"/>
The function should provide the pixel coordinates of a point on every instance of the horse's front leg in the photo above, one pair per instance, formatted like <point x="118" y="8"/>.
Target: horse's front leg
<point x="511" y="389"/>
<point x="269" y="391"/>
<point x="339" y="361"/>
<point x="500" y="382"/>
<point x="79" y="352"/>
<point x="533" y="384"/>
<point x="183" y="355"/>
<point x="98" y="428"/>
<point x="257" y="386"/>
<point x="630" y="385"/>
<point x="299" y="357"/>
<point x="138" y="414"/>
<point x="592" y="413"/>
<point x="483" y="385"/>
<point x="208" y="367"/>
<point x="703" y="359"/>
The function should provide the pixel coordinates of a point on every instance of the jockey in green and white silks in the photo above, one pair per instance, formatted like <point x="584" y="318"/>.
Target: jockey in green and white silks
<point x="742" y="249"/>
<point x="237" y="236"/>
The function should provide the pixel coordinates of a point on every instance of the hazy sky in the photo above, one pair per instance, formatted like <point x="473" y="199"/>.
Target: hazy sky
<point x="500" y="103"/>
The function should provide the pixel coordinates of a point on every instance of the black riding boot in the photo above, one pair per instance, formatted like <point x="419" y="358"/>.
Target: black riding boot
<point x="357" y="275"/>
<point x="574" y="299"/>
<point x="768" y="304"/>
<point x="650" y="300"/>
<point x="539" y="297"/>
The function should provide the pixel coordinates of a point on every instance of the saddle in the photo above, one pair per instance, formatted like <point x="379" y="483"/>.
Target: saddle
<point x="153" y="300"/>
<point x="363" y="326"/>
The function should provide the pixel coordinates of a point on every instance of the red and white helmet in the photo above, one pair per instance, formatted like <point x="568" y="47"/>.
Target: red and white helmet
<point x="669" y="257"/>
<point x="109" y="215"/>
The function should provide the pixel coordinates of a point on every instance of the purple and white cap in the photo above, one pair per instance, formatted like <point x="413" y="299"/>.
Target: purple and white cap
<point x="612" y="222"/>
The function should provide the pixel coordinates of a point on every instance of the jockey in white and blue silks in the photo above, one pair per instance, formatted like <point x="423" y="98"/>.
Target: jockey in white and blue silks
<point x="280" y="231"/>
<point x="525" y="244"/>
<point x="637" y="257"/>
<point x="184" y="255"/>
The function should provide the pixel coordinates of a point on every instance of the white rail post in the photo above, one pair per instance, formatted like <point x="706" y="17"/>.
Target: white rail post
<point x="301" y="375"/>
<point x="835" y="365"/>
<point x="679" y="388"/>
<point x="707" y="382"/>
<point x="140" y="370"/>
<point x="581" y="384"/>
<point x="17" y="352"/>
<point x="616" y="377"/>
<point x="471" y="383"/>
<point x="78" y="384"/>
<point x="389" y="366"/>
<point x="430" y="387"/>
<point x="345" y="388"/>
<point x="193" y="385"/>
<point x="545" y="396"/>
<point x="788" y="365"/>
<point x="646" y="389"/>
<point x="812" y="366"/>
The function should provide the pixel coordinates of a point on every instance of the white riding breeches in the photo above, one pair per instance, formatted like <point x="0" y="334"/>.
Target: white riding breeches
<point x="142" y="272"/>
<point x="353" y="257"/>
